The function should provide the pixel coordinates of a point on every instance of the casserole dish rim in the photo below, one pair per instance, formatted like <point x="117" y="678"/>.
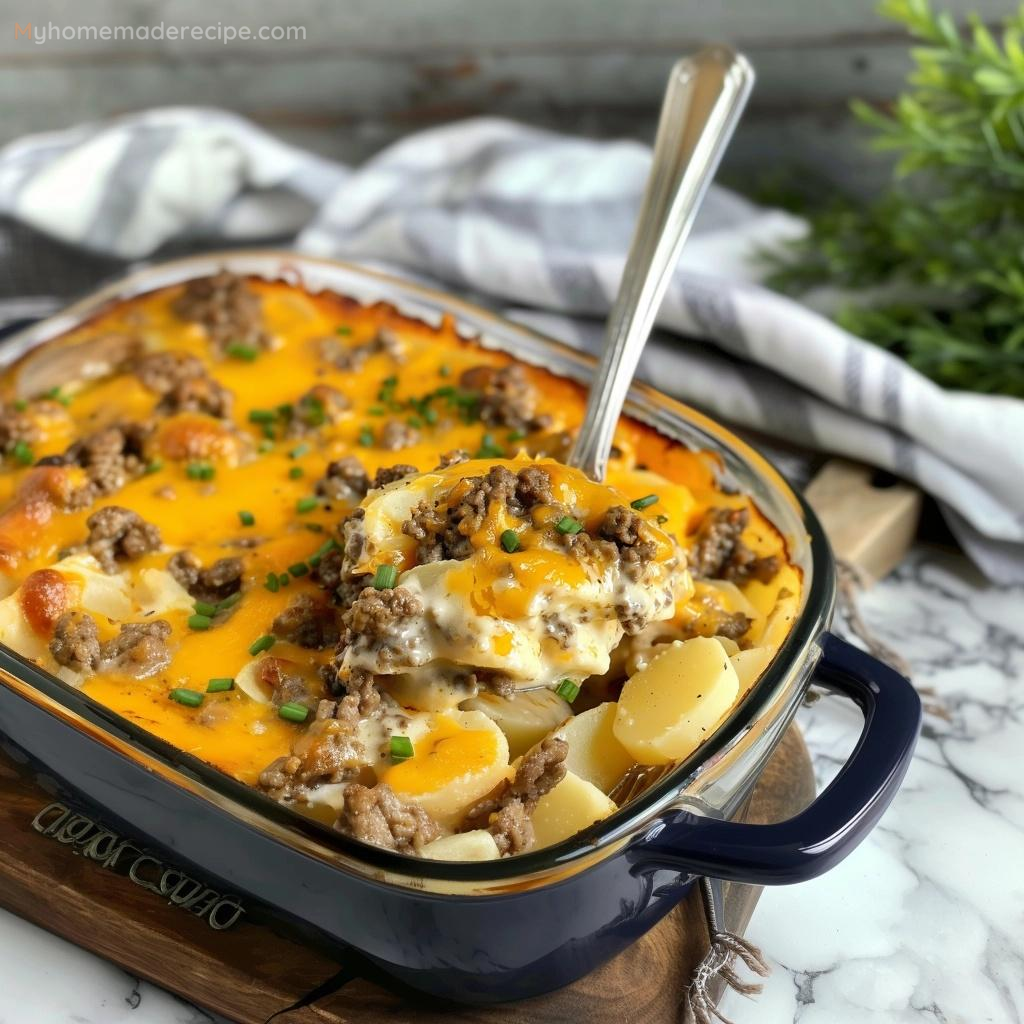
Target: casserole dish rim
<point x="213" y="784"/>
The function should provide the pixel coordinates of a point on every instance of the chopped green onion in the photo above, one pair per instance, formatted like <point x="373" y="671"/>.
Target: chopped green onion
<point x="510" y="540"/>
<point x="445" y="392"/>
<point x="220" y="685"/>
<point x="641" y="503"/>
<point x="306" y="504"/>
<point x="401" y="749"/>
<point x="55" y="394"/>
<point x="299" y="450"/>
<point x="366" y="437"/>
<point x="430" y="415"/>
<point x="415" y="422"/>
<point x="662" y="520"/>
<point x="23" y="453"/>
<point x="445" y="370"/>
<point x="293" y="712"/>
<point x="298" y="569"/>
<point x="516" y="435"/>
<point x="199" y="621"/>
<point x="262" y="416"/>
<point x="296" y="472"/>
<point x="568" y="525"/>
<point x="284" y="579"/>
<point x="342" y="330"/>
<point x="311" y="411"/>
<point x="268" y="432"/>
<point x="385" y="577"/>
<point x="488" y="449"/>
<point x="154" y="466"/>
<point x="199" y="471"/>
<point x="246" y="518"/>
<point x="264" y="643"/>
<point x="266" y="446"/>
<point x="230" y="601"/>
<point x="568" y="690"/>
<point x="20" y="405"/>
<point x="203" y="608"/>
<point x="376" y="410"/>
<point x="237" y="350"/>
<point x="191" y="698"/>
<point x="272" y="583"/>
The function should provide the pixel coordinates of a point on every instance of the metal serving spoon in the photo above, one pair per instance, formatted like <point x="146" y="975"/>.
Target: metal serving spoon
<point x="703" y="101"/>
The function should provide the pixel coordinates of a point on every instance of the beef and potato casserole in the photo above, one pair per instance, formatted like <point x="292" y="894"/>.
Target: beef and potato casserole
<point x="335" y="552"/>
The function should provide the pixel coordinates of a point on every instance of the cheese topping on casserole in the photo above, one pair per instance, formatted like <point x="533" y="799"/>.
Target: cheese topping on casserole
<point x="334" y="551"/>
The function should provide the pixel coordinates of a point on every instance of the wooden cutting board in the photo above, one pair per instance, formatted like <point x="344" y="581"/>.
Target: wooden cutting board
<point x="250" y="974"/>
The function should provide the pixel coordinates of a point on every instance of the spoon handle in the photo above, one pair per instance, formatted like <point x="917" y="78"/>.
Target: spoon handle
<point x="705" y="95"/>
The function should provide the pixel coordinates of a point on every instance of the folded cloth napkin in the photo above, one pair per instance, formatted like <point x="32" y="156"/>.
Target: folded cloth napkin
<point x="541" y="223"/>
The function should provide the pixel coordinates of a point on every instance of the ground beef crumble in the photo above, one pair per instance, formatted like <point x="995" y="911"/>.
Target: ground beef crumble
<point x="229" y="310"/>
<point x="307" y="622"/>
<point x="213" y="584"/>
<point x="375" y="620"/>
<point x="344" y="479"/>
<point x="624" y="528"/>
<point x="327" y="752"/>
<point x="16" y="427"/>
<point x="118" y="534"/>
<point x="353" y="357"/>
<point x="75" y="643"/>
<point x="110" y="457"/>
<point x="505" y="811"/>
<point x="319" y="406"/>
<point x="719" y="553"/>
<point x="183" y="384"/>
<point x="395" y="435"/>
<point x="389" y="474"/>
<point x="442" y="530"/>
<point x="506" y="397"/>
<point x="379" y="817"/>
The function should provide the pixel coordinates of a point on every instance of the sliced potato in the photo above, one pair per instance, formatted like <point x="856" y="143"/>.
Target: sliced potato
<point x="462" y="757"/>
<point x="749" y="665"/>
<point x="572" y="805"/>
<point x="525" y="719"/>
<point x="594" y="752"/>
<point x="669" y="708"/>
<point x="464" y="846"/>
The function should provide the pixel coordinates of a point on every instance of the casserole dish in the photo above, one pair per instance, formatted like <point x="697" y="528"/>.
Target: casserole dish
<point x="499" y="929"/>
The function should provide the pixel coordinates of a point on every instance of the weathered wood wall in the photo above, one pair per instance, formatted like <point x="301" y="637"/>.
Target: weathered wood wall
<point x="371" y="70"/>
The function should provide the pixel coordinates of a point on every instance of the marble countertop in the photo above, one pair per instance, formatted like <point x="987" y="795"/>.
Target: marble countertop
<point x="923" y="922"/>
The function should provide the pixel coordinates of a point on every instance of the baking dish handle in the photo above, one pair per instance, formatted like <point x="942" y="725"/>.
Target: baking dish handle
<point x="841" y="816"/>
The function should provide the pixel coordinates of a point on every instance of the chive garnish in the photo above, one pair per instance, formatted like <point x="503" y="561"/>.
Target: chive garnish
<point x="299" y="450"/>
<point x="204" y="608"/>
<point x="342" y="330"/>
<point x="295" y="472"/>
<point x="516" y="435"/>
<point x="444" y="370"/>
<point x="190" y="698"/>
<point x="366" y="437"/>
<point x="568" y="690"/>
<point x="385" y="577"/>
<point x="430" y="415"/>
<point x="284" y="579"/>
<point x="510" y="540"/>
<point x="246" y="518"/>
<point x="646" y="502"/>
<point x="298" y="569"/>
<point x="271" y="582"/>
<point x="220" y="684"/>
<point x="568" y="525"/>
<point x="23" y="453"/>
<point x="293" y="712"/>
<point x="264" y="643"/>
<point x="237" y="350"/>
<point x="488" y="449"/>
<point x="20" y="405"/>
<point x="662" y="520"/>
<point x="266" y="446"/>
<point x="230" y="601"/>
<point x="285" y="410"/>
<point x="415" y="422"/>
<point x="199" y="621"/>
<point x="262" y="416"/>
<point x="401" y="749"/>
<point x="199" y="471"/>
<point x="304" y="505"/>
<point x="376" y="410"/>
<point x="154" y="466"/>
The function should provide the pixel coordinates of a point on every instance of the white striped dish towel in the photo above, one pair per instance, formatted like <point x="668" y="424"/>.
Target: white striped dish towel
<point x="540" y="222"/>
